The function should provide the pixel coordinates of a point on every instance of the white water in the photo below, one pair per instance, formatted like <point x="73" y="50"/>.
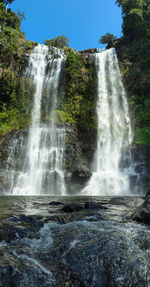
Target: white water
<point x="114" y="131"/>
<point x="42" y="171"/>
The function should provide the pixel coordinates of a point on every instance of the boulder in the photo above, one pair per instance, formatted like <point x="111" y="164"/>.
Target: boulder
<point x="72" y="207"/>
<point x="81" y="173"/>
<point x="142" y="214"/>
<point x="94" y="206"/>
<point x="55" y="203"/>
<point x="147" y="194"/>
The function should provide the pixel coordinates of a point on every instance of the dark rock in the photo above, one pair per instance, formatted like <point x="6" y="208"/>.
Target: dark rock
<point x="55" y="203"/>
<point x="8" y="232"/>
<point x="87" y="250"/>
<point x="72" y="207"/>
<point x="147" y="194"/>
<point x="117" y="201"/>
<point x="90" y="51"/>
<point x="141" y="156"/>
<point x="34" y="221"/>
<point x="81" y="175"/>
<point x="94" y="205"/>
<point x="81" y="172"/>
<point x="78" y="156"/>
<point x="143" y="212"/>
<point x="139" y="181"/>
<point x="5" y="276"/>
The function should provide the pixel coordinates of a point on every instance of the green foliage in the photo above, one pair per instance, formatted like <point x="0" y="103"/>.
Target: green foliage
<point x="142" y="135"/>
<point x="12" y="41"/>
<point x="7" y="87"/>
<point x="58" y="42"/>
<point x="6" y="2"/>
<point x="136" y="14"/>
<point x="134" y="53"/>
<point x="13" y="119"/>
<point x="108" y="38"/>
<point x="8" y="45"/>
<point x="68" y="50"/>
<point x="29" y="45"/>
<point x="9" y="18"/>
<point x="15" y="91"/>
<point x="80" y="93"/>
<point x="64" y="117"/>
<point x="11" y="38"/>
<point x="15" y="102"/>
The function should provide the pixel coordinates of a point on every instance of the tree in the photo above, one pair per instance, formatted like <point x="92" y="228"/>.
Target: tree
<point x="107" y="39"/>
<point x="6" y="2"/>
<point x="135" y="14"/>
<point x="21" y="15"/>
<point x="59" y="42"/>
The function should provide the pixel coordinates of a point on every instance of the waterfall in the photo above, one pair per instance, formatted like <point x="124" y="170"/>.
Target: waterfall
<point x="42" y="171"/>
<point x="110" y="176"/>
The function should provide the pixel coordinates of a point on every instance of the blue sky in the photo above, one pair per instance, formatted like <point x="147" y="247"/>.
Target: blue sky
<point x="82" y="21"/>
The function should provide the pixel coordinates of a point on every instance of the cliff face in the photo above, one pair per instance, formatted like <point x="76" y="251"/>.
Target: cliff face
<point x="76" y="109"/>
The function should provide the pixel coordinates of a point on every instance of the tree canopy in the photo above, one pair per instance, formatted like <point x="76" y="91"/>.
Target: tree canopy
<point x="58" y="42"/>
<point x="108" y="38"/>
<point x="136" y="15"/>
<point x="134" y="53"/>
<point x="6" y="2"/>
<point x="21" y="15"/>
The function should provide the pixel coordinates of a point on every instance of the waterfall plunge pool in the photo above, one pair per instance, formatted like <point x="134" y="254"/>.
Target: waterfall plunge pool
<point x="11" y="205"/>
<point x="42" y="243"/>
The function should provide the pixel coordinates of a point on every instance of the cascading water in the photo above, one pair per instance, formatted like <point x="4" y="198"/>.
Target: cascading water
<point x="42" y="171"/>
<point x="114" y="131"/>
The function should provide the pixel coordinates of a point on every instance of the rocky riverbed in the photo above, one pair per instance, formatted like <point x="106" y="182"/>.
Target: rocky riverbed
<point x="73" y="241"/>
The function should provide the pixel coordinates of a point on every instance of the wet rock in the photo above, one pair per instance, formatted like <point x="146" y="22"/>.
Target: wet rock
<point x="141" y="156"/>
<point x="142" y="214"/>
<point x="84" y="251"/>
<point x="55" y="203"/>
<point x="81" y="172"/>
<point x="72" y="207"/>
<point x="23" y="224"/>
<point x="78" y="156"/>
<point x="117" y="201"/>
<point x="5" y="276"/>
<point x="94" y="206"/>
<point x="126" y="202"/>
<point x="14" y="138"/>
<point x="9" y="232"/>
<point x="147" y="194"/>
<point x="32" y="221"/>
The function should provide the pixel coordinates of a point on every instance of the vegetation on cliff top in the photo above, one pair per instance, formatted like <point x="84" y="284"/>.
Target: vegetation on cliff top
<point x="134" y="54"/>
<point x="58" y="42"/>
<point x="108" y="38"/>
<point x="15" y="99"/>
